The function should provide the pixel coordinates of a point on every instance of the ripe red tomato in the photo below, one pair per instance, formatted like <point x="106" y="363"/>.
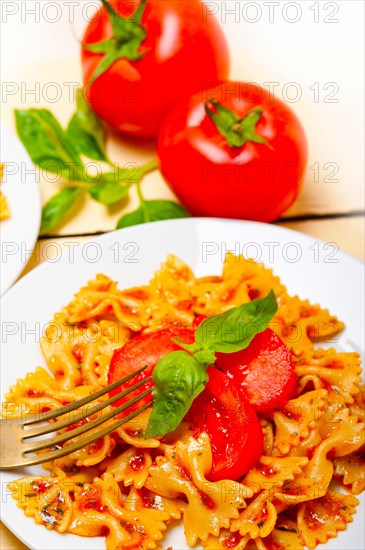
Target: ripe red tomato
<point x="255" y="174"/>
<point x="144" y="350"/>
<point x="224" y="413"/>
<point x="264" y="371"/>
<point x="183" y="52"/>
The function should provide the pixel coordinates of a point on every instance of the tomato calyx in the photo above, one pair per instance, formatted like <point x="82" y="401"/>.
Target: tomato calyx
<point x="237" y="131"/>
<point x="128" y="35"/>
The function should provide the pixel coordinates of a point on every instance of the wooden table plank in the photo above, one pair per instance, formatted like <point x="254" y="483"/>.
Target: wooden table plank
<point x="8" y="541"/>
<point x="347" y="233"/>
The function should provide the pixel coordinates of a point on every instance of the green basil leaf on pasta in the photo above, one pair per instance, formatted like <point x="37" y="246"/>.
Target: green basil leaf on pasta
<point x="206" y="356"/>
<point x="234" y="329"/>
<point x="178" y="379"/>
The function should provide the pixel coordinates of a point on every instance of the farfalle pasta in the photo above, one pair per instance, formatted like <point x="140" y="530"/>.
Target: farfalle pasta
<point x="129" y="488"/>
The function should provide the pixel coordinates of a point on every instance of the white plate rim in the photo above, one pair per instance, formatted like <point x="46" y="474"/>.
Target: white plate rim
<point x="130" y="230"/>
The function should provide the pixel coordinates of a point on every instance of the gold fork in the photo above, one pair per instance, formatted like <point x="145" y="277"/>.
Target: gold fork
<point x="13" y="433"/>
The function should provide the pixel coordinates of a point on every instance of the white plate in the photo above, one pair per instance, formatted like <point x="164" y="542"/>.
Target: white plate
<point x="130" y="256"/>
<point x="18" y="234"/>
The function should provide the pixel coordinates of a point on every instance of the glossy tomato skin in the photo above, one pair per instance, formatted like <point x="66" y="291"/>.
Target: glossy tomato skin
<point x="233" y="427"/>
<point x="143" y="350"/>
<point x="264" y="371"/>
<point x="185" y="50"/>
<point x="254" y="181"/>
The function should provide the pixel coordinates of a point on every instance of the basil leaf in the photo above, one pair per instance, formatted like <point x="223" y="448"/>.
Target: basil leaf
<point x="111" y="187"/>
<point x="234" y="329"/>
<point x="86" y="131"/>
<point x="109" y="193"/>
<point x="83" y="142"/>
<point x="47" y="144"/>
<point x="153" y="211"/>
<point x="58" y="206"/>
<point x="178" y="379"/>
<point x="132" y="218"/>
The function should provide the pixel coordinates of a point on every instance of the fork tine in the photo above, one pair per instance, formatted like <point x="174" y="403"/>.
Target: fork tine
<point x="45" y="443"/>
<point x="56" y="426"/>
<point x="80" y="402"/>
<point x="53" y="455"/>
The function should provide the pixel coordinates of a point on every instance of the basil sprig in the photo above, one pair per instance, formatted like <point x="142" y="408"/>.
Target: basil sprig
<point x="61" y="152"/>
<point x="180" y="376"/>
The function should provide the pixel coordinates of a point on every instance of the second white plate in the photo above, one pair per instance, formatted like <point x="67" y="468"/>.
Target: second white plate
<point x="19" y="233"/>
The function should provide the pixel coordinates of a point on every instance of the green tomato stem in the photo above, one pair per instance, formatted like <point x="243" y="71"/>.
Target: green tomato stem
<point x="145" y="169"/>
<point x="236" y="131"/>
<point x="142" y="202"/>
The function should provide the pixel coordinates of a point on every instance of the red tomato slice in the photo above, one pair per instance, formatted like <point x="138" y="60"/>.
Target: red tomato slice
<point x="234" y="430"/>
<point x="264" y="371"/>
<point x="144" y="350"/>
<point x="198" y="320"/>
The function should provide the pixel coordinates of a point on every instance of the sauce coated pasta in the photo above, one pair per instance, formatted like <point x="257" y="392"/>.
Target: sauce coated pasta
<point x="129" y="489"/>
